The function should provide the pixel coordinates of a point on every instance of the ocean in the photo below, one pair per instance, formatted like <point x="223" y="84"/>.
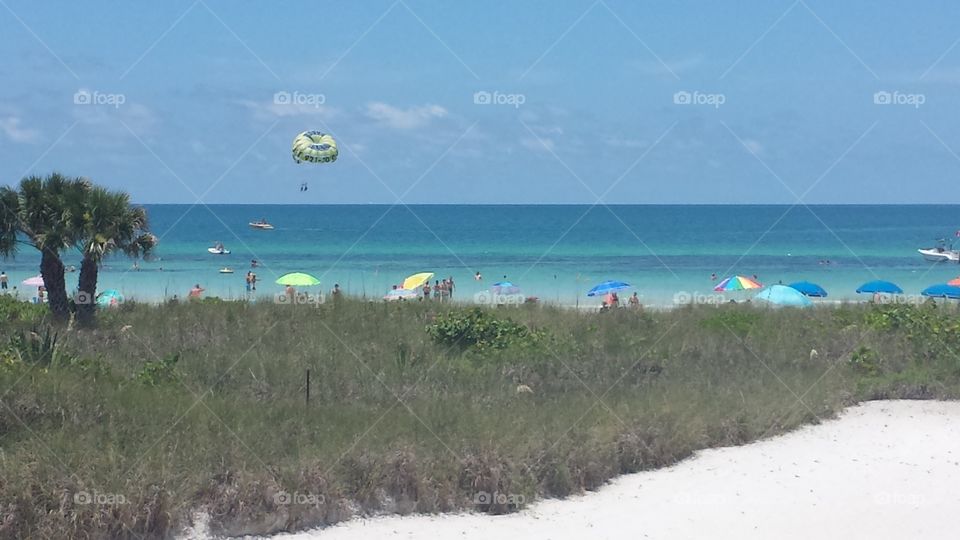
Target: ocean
<point x="555" y="253"/>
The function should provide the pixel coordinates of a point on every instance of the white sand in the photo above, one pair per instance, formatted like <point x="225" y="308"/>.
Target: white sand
<point x="888" y="469"/>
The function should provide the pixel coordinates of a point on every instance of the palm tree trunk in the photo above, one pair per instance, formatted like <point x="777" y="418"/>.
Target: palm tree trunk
<point x="86" y="298"/>
<point x="51" y="269"/>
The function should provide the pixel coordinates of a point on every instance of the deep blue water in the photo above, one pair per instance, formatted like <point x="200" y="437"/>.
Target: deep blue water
<point x="554" y="252"/>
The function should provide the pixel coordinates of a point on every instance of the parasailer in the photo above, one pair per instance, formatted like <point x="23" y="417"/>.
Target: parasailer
<point x="314" y="147"/>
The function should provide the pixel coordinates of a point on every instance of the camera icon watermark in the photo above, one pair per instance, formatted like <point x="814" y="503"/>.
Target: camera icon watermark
<point x="496" y="97"/>
<point x="485" y="498"/>
<point x="884" y="97"/>
<point x="285" y="498"/>
<point x="488" y="298"/>
<point x="683" y="298"/>
<point x="300" y="299"/>
<point x="95" y="497"/>
<point x="684" y="97"/>
<point x="84" y="96"/>
<point x="298" y="98"/>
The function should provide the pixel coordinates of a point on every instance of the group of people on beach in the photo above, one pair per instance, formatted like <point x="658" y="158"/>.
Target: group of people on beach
<point x="611" y="300"/>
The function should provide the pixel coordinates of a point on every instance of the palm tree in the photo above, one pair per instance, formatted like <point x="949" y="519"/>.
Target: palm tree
<point x="110" y="224"/>
<point x="43" y="213"/>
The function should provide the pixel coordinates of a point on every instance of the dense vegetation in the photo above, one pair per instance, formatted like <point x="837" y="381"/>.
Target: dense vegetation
<point x="128" y="429"/>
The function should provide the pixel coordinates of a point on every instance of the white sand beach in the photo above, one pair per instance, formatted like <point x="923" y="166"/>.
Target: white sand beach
<point x="885" y="469"/>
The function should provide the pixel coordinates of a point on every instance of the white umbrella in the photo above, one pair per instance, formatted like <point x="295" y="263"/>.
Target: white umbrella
<point x="35" y="281"/>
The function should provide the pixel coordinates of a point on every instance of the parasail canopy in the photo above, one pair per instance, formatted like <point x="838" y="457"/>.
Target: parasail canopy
<point x="314" y="147"/>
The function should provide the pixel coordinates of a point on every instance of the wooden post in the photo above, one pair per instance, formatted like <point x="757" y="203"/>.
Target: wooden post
<point x="308" y="386"/>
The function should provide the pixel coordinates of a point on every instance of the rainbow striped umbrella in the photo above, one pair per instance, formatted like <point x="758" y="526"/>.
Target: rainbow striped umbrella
<point x="737" y="283"/>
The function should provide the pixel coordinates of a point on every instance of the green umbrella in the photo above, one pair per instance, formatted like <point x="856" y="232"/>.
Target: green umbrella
<point x="297" y="279"/>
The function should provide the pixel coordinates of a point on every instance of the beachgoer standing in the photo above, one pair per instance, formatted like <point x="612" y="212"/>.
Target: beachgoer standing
<point x="253" y="280"/>
<point x="450" y="287"/>
<point x="336" y="292"/>
<point x="3" y="281"/>
<point x="634" y="301"/>
<point x="291" y="293"/>
<point x="437" y="292"/>
<point x="249" y="281"/>
<point x="426" y="291"/>
<point x="195" y="292"/>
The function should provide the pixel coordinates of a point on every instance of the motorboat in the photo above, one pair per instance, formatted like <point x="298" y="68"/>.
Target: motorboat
<point x="942" y="252"/>
<point x="218" y="249"/>
<point x="262" y="225"/>
<point x="226" y="270"/>
<point x="939" y="254"/>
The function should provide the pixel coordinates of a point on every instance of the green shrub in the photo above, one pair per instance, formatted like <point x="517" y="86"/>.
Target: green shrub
<point x="158" y="372"/>
<point x="478" y="328"/>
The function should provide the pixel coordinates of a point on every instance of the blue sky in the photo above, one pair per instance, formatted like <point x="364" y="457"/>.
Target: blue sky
<point x="592" y="100"/>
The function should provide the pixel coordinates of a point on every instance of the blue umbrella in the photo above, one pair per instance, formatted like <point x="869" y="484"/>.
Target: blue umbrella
<point x="942" y="291"/>
<point x="504" y="287"/>
<point x="807" y="288"/>
<point x="781" y="295"/>
<point x="879" y="286"/>
<point x="608" y="287"/>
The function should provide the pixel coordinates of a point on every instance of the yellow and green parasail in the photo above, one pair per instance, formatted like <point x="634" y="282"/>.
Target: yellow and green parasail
<point x="314" y="147"/>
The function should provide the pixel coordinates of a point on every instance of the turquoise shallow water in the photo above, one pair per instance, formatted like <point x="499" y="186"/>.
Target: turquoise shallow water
<point x="554" y="252"/>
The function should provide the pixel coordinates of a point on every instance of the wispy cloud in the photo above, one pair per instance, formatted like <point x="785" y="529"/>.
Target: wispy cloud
<point x="409" y="118"/>
<point x="11" y="127"/>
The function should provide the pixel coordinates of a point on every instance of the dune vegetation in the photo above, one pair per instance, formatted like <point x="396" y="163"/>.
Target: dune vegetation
<point x="159" y="413"/>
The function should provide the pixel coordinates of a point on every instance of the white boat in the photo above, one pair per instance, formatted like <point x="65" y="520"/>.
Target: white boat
<point x="218" y="250"/>
<point x="226" y="270"/>
<point x="262" y="225"/>
<point x="940" y="254"/>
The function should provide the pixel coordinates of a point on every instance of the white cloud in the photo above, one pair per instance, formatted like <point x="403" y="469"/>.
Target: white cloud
<point x="409" y="118"/>
<point x="753" y="146"/>
<point x="271" y="110"/>
<point x="12" y="129"/>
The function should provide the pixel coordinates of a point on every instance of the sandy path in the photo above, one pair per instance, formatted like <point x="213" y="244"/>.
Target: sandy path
<point x="886" y="469"/>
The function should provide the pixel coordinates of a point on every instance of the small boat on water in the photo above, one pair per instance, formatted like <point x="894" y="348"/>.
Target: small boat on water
<point x="942" y="252"/>
<point x="226" y="270"/>
<point x="262" y="225"/>
<point x="218" y="249"/>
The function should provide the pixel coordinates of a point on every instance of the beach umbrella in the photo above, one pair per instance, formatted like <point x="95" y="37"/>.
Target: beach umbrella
<point x="504" y="287"/>
<point x="35" y="281"/>
<point x="400" y="294"/>
<point x="109" y="297"/>
<point x="297" y="279"/>
<point x="781" y="295"/>
<point x="416" y="281"/>
<point x="879" y="286"/>
<point x="737" y="283"/>
<point x="809" y="289"/>
<point x="954" y="282"/>
<point x="944" y="290"/>
<point x="608" y="287"/>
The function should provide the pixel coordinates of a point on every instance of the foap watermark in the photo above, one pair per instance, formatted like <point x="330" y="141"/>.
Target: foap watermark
<point x="684" y="97"/>
<point x="300" y="299"/>
<point x="493" y="299"/>
<point x="485" y="498"/>
<point x="884" y="97"/>
<point x="498" y="98"/>
<point x="285" y="498"/>
<point x="682" y="298"/>
<point x="98" y="498"/>
<point x="299" y="99"/>
<point x="901" y="299"/>
<point x="84" y="96"/>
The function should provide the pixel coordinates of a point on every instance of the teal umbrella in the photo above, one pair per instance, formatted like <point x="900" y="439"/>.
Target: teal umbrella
<point x="781" y="295"/>
<point x="109" y="297"/>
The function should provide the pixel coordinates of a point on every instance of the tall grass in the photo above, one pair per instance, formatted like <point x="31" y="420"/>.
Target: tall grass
<point x="167" y="410"/>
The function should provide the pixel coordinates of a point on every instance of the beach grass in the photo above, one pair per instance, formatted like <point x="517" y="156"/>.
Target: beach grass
<point x="131" y="429"/>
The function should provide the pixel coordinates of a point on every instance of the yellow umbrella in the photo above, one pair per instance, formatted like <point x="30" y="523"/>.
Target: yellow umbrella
<point x="416" y="281"/>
